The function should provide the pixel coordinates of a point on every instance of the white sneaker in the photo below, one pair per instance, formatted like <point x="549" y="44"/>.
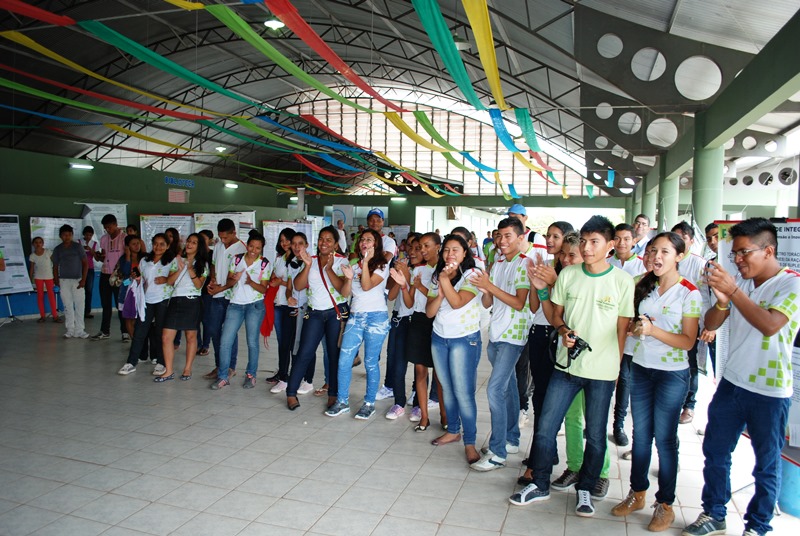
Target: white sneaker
<point x="384" y="393"/>
<point x="126" y="337"/>
<point x="523" y="417"/>
<point x="416" y="415"/>
<point x="126" y="369"/>
<point x="69" y="335"/>
<point x="395" y="412"/>
<point x="159" y="370"/>
<point x="488" y="462"/>
<point x="433" y="404"/>
<point x="280" y="387"/>
<point x="81" y="335"/>
<point x="304" y="388"/>
<point x="154" y="361"/>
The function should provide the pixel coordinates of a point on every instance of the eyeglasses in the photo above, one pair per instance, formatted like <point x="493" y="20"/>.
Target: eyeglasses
<point x="742" y="253"/>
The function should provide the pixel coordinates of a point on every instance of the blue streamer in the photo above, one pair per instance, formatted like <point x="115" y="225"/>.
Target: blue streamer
<point x="475" y="162"/>
<point x="48" y="116"/>
<point x="326" y="143"/>
<point x="502" y="132"/>
<point x="610" y="179"/>
<point x="513" y="192"/>
<point x="481" y="175"/>
<point x="331" y="160"/>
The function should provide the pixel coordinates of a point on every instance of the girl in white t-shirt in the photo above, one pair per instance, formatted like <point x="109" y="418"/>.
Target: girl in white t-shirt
<point x="368" y="323"/>
<point x="248" y="275"/>
<point x="284" y="324"/>
<point x="455" y="305"/>
<point x="185" y="307"/>
<point x="41" y="273"/>
<point x="154" y="269"/>
<point x="668" y="310"/>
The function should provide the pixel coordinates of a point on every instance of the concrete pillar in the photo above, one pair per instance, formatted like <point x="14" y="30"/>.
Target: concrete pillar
<point x="668" y="203"/>
<point x="650" y="205"/>
<point x="637" y="202"/>
<point x="707" y="185"/>
<point x="301" y="199"/>
<point x="629" y="214"/>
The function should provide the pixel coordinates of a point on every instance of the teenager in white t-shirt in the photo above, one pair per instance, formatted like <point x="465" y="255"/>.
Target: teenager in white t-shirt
<point x="668" y="308"/>
<point x="757" y="384"/>
<point x="41" y="273"/>
<point x="322" y="277"/>
<point x="154" y="268"/>
<point x="284" y="323"/>
<point x="368" y="323"/>
<point x="185" y="307"/>
<point x="248" y="277"/>
<point x="454" y="303"/>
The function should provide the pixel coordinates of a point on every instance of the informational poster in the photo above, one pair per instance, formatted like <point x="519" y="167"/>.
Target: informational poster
<point x="15" y="277"/>
<point x="244" y="221"/>
<point x="400" y="232"/>
<point x="344" y="213"/>
<point x="47" y="228"/>
<point x="152" y="224"/>
<point x="93" y="215"/>
<point x="272" y="231"/>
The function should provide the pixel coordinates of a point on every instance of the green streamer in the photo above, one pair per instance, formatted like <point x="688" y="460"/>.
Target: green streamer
<point x="523" y="116"/>
<point x="146" y="55"/>
<point x="230" y="19"/>
<point x="242" y="137"/>
<point x="425" y="123"/>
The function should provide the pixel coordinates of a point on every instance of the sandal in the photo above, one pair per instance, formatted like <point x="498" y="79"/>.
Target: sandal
<point x="321" y="391"/>
<point x="203" y="351"/>
<point x="186" y="377"/>
<point x="162" y="379"/>
<point x="421" y="427"/>
<point x="437" y="442"/>
<point x="356" y="362"/>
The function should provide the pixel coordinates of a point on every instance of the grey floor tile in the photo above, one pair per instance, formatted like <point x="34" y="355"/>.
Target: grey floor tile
<point x="193" y="496"/>
<point x="28" y="488"/>
<point x="343" y="522"/>
<point x="391" y="526"/>
<point x="292" y="514"/>
<point x="72" y="526"/>
<point x="211" y="525"/>
<point x="148" y="487"/>
<point x="161" y="519"/>
<point x="25" y="519"/>
<point x="367" y="499"/>
<point x="110" y="508"/>
<point x="66" y="498"/>
<point x="412" y="506"/>
<point x="106" y="478"/>
<point x="311" y="491"/>
<point x="484" y="518"/>
<point x="241" y="505"/>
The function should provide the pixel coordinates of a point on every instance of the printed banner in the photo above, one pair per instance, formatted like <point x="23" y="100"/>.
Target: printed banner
<point x="93" y="215"/>
<point x="47" y="229"/>
<point x="152" y="224"/>
<point x="15" y="277"/>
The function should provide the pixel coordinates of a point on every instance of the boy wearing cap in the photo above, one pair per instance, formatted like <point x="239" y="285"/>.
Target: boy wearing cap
<point x="375" y="222"/>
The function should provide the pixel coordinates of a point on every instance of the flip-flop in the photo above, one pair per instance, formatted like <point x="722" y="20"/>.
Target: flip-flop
<point x="322" y="391"/>
<point x="437" y="443"/>
<point x="420" y="428"/>
<point x="162" y="379"/>
<point x="186" y="377"/>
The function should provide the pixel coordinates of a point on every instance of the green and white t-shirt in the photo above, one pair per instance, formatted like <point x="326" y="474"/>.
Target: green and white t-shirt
<point x="221" y="259"/>
<point x="593" y="304"/>
<point x="452" y="323"/>
<point x="634" y="265"/>
<point x="280" y="270"/>
<point x="156" y="292"/>
<point x="761" y="364"/>
<point x="184" y="285"/>
<point x="667" y="312"/>
<point x="508" y="324"/>
<point x="260" y="271"/>
<point x="319" y="290"/>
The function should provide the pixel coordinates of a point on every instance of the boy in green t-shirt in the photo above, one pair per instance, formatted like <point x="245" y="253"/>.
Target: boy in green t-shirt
<point x="593" y="301"/>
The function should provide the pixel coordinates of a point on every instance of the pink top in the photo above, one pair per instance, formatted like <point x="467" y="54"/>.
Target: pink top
<point x="113" y="248"/>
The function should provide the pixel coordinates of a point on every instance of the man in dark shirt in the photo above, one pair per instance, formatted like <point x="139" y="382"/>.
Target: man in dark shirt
<point x="69" y="273"/>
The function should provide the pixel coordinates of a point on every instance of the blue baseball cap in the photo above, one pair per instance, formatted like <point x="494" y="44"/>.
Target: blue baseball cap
<point x="517" y="209"/>
<point x="376" y="212"/>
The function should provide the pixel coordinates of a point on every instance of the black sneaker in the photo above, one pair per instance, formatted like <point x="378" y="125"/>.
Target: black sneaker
<point x="705" y="525"/>
<point x="620" y="437"/>
<point x="565" y="481"/>
<point x="529" y="494"/>
<point x="583" y="505"/>
<point x="600" y="489"/>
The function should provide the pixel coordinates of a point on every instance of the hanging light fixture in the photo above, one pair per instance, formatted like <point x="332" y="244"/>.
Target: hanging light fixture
<point x="274" y="24"/>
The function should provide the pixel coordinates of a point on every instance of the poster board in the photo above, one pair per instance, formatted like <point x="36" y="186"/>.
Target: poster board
<point x="789" y="257"/>
<point x="272" y="231"/>
<point x="47" y="228"/>
<point x="244" y="222"/>
<point x="152" y="224"/>
<point x="400" y="232"/>
<point x="93" y="215"/>
<point x="15" y="277"/>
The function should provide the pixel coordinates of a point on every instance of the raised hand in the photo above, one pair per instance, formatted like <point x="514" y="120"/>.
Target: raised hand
<point x="305" y="257"/>
<point x="480" y="280"/>
<point x="368" y="254"/>
<point x="347" y="271"/>
<point x="398" y="277"/>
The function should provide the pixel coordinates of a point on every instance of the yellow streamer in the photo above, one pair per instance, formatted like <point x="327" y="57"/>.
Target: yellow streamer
<point x="133" y="134"/>
<point x="478" y="15"/>
<point x="502" y="186"/>
<point x="430" y="192"/>
<point x="27" y="42"/>
<point x="395" y="119"/>
<point x="527" y="163"/>
<point x="564" y="193"/>
<point x="184" y="4"/>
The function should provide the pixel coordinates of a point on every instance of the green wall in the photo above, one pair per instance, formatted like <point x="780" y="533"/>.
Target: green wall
<point x="36" y="184"/>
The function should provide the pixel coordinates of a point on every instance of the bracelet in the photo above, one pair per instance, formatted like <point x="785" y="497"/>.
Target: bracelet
<point x="728" y="308"/>
<point x="543" y="294"/>
<point x="558" y="329"/>
<point x="734" y="292"/>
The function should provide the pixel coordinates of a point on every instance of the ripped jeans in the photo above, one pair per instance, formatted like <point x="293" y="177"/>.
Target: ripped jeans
<point x="371" y="328"/>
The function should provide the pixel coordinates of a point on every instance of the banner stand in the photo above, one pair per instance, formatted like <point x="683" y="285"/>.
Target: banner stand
<point x="11" y="318"/>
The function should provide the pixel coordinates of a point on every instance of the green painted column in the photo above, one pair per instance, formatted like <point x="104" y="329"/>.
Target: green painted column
<point x="629" y="214"/>
<point x="668" y="191"/>
<point x="707" y="185"/>
<point x="637" y="203"/>
<point x="649" y="206"/>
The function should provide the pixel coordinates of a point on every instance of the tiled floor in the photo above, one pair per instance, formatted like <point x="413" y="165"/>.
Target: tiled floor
<point x="84" y="452"/>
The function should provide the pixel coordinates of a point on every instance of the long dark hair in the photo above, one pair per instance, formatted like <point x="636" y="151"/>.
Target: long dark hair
<point x="647" y="283"/>
<point x="378" y="261"/>
<point x="467" y="264"/>
<point x="202" y="256"/>
<point x="174" y="245"/>
<point x="565" y="227"/>
<point x="168" y="255"/>
<point x="297" y="262"/>
<point x="288" y="233"/>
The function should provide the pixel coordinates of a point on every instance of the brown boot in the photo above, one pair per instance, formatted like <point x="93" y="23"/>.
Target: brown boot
<point x="634" y="501"/>
<point x="663" y="516"/>
<point x="687" y="415"/>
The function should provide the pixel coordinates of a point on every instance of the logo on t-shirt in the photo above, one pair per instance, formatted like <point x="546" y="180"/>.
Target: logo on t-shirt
<point x="606" y="303"/>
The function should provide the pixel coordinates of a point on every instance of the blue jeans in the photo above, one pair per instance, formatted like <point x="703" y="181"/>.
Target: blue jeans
<point x="216" y="317"/>
<point x="251" y="315"/>
<point x="503" y="396"/>
<point x="731" y="410"/>
<point x="285" y="327"/>
<point x="318" y="325"/>
<point x="694" y="384"/>
<point x="396" y="364"/>
<point x="89" y="289"/>
<point x="656" y="400"/>
<point x="456" y="364"/>
<point x="371" y="328"/>
<point x="561" y="392"/>
<point x="623" y="392"/>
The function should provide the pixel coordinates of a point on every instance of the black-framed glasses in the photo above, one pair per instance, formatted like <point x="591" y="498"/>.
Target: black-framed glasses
<point x="742" y="253"/>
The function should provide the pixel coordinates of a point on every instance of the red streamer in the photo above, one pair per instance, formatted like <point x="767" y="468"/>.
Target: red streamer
<point x="287" y="13"/>
<point x="108" y="98"/>
<point x="322" y="171"/>
<point x="27" y="10"/>
<point x="539" y="161"/>
<point x="322" y="126"/>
